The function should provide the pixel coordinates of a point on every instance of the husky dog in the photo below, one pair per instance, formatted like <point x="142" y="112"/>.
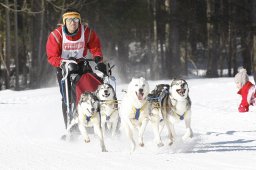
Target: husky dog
<point x="89" y="116"/>
<point x="180" y="106"/>
<point x="159" y="106"/>
<point x="108" y="107"/>
<point x="134" y="109"/>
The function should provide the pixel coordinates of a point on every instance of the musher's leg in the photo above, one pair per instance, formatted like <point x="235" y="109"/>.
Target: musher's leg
<point x="64" y="107"/>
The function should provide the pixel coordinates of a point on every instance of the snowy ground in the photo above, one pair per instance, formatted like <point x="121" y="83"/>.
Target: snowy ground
<point x="31" y="126"/>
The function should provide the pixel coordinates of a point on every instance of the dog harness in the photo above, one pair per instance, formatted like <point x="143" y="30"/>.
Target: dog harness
<point x="137" y="111"/>
<point x="181" y="117"/>
<point x="159" y="98"/>
<point x="110" y="102"/>
<point x="88" y="118"/>
<point x="158" y="107"/>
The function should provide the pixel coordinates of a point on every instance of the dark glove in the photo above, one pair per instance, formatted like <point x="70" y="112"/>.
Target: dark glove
<point x="73" y="68"/>
<point x="84" y="68"/>
<point x="97" y="59"/>
<point x="102" y="67"/>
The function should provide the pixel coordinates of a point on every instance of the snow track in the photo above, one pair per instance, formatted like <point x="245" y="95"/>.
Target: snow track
<point x="32" y="123"/>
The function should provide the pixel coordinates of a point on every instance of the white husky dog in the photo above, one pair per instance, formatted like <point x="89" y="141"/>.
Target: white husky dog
<point x="180" y="106"/>
<point x="108" y="107"/>
<point x="134" y="109"/>
<point x="89" y="116"/>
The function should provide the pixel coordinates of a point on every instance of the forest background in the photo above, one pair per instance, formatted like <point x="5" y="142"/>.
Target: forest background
<point x="157" y="39"/>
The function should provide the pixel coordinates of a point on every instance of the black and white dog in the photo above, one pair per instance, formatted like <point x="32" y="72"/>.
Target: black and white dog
<point x="108" y="108"/>
<point x="180" y="106"/>
<point x="159" y="106"/>
<point x="89" y="116"/>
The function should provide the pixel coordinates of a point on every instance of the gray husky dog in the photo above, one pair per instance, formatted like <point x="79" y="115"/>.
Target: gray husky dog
<point x="89" y="116"/>
<point x="180" y="106"/>
<point x="159" y="106"/>
<point x="108" y="108"/>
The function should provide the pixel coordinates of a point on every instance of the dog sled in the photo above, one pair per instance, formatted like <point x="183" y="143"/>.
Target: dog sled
<point x="75" y="82"/>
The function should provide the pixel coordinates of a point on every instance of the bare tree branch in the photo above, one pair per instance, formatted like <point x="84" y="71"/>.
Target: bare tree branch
<point x="25" y="9"/>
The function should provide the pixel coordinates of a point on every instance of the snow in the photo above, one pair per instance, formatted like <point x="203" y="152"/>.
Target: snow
<point x="32" y="124"/>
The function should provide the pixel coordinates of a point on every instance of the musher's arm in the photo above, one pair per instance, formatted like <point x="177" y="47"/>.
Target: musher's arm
<point x="94" y="44"/>
<point x="53" y="48"/>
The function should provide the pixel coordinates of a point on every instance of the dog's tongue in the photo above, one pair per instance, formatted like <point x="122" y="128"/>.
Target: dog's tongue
<point x="140" y="96"/>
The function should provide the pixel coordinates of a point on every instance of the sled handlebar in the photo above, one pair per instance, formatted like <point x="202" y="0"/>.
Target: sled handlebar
<point x="87" y="59"/>
<point x="67" y="62"/>
<point x="73" y="61"/>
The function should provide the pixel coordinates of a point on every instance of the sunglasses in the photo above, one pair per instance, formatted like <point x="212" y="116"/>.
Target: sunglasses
<point x="69" y="20"/>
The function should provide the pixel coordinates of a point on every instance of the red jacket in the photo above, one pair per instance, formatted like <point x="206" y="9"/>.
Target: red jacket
<point x="244" y="105"/>
<point x="54" y="44"/>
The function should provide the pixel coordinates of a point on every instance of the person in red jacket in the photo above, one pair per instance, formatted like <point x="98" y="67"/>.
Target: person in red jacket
<point x="246" y="90"/>
<point x="72" y="40"/>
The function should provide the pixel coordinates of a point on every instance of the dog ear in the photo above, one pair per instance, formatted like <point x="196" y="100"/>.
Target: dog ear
<point x="96" y="93"/>
<point x="83" y="97"/>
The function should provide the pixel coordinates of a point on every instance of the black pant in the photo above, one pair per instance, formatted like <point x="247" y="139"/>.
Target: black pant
<point x="64" y="107"/>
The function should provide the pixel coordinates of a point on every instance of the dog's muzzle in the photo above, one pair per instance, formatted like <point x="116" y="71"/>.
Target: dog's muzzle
<point x="106" y="93"/>
<point x="140" y="94"/>
<point x="181" y="91"/>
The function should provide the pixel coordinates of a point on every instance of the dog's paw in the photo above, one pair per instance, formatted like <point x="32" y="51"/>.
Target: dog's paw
<point x="187" y="135"/>
<point x="104" y="150"/>
<point x="170" y="142"/>
<point x="87" y="140"/>
<point x="141" y="144"/>
<point x="160" y="144"/>
<point x="63" y="137"/>
<point x="191" y="134"/>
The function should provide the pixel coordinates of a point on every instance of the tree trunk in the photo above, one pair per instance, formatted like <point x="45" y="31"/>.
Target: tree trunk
<point x="1" y="57"/>
<point x="212" y="35"/>
<point x="8" y="47"/>
<point x="176" y="69"/>
<point x="41" y="67"/>
<point x="36" y="32"/>
<point x="254" y="39"/>
<point x="155" y="70"/>
<point x="17" y="87"/>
